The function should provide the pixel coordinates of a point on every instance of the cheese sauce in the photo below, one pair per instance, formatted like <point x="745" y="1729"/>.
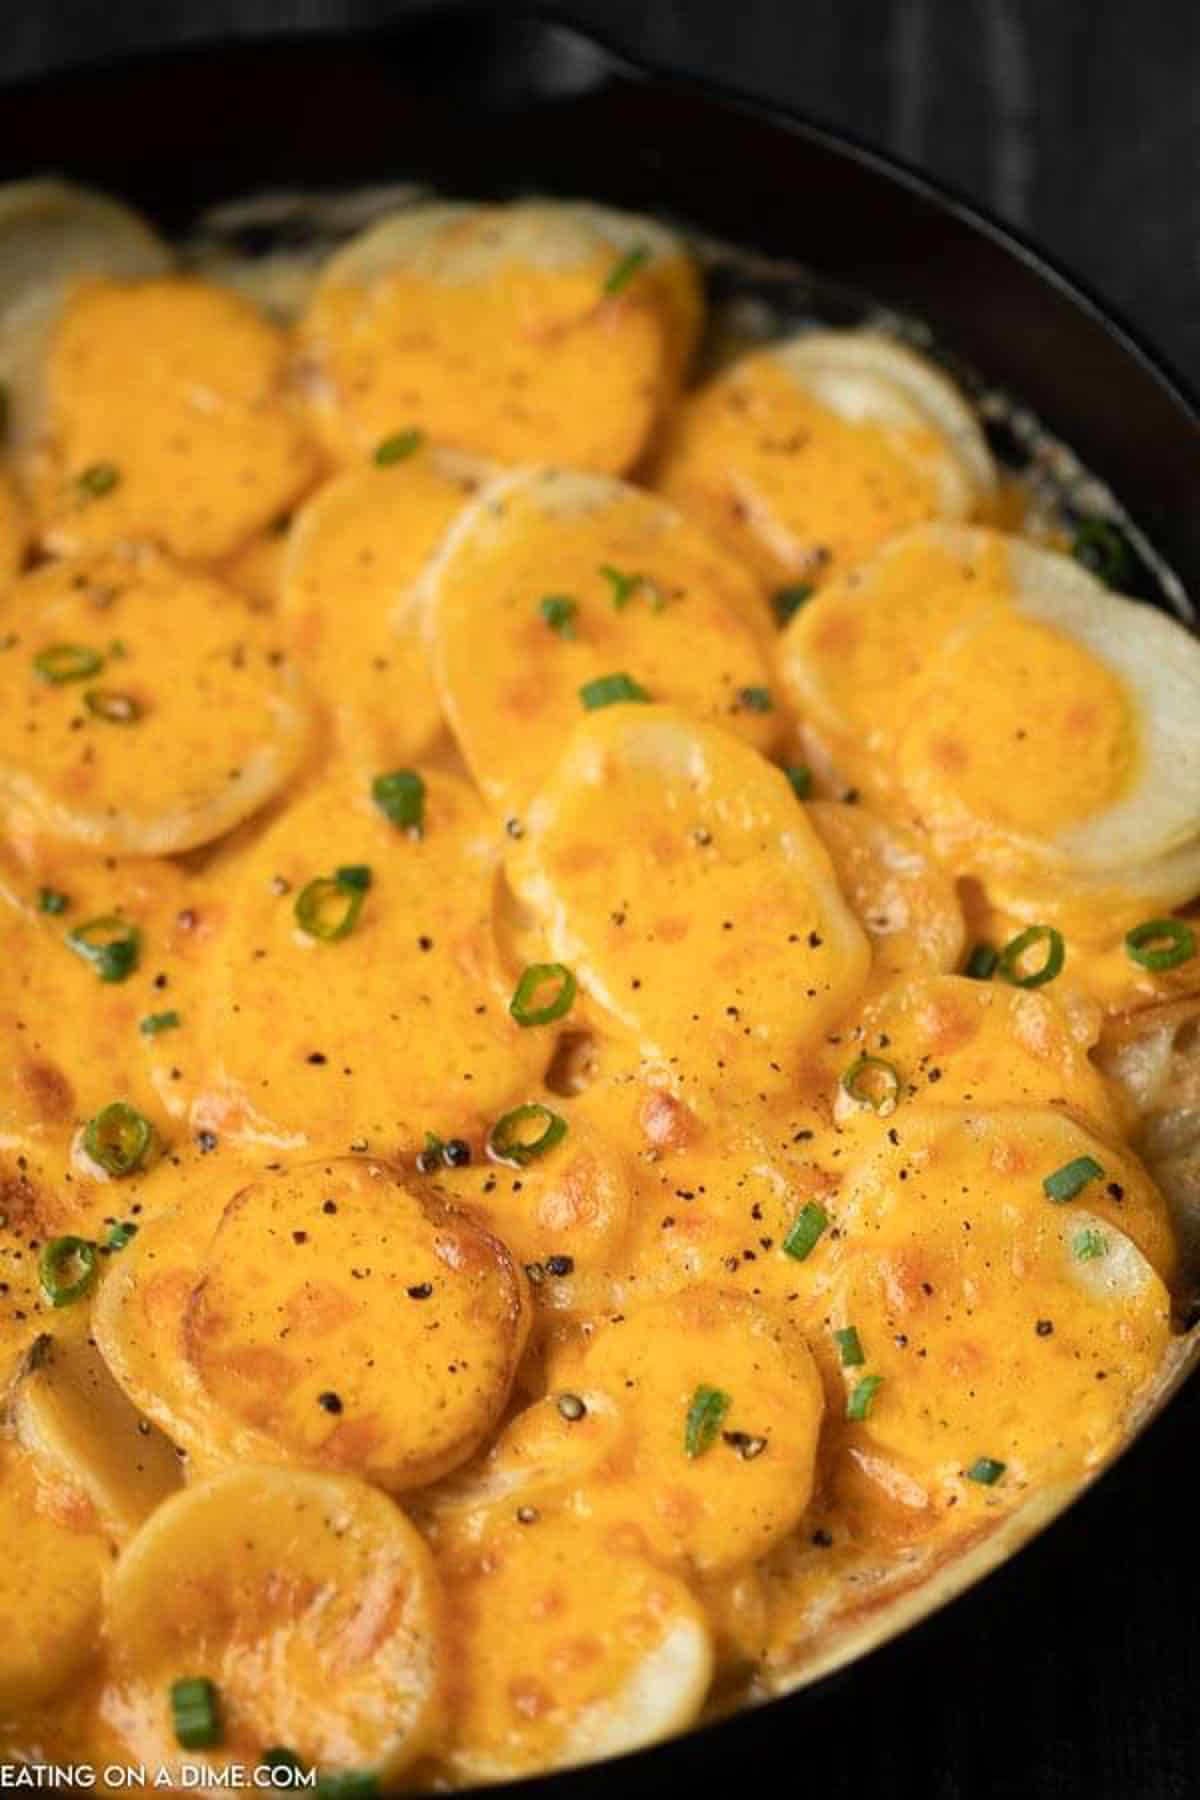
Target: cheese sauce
<point x="599" y="1001"/>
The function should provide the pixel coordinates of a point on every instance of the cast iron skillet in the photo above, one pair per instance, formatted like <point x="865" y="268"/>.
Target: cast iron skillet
<point x="473" y="105"/>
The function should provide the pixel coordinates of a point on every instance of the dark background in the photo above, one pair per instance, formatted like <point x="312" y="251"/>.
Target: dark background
<point x="1075" y="1671"/>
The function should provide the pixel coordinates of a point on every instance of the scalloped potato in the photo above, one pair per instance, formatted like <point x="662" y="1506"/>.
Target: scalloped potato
<point x="601" y="1071"/>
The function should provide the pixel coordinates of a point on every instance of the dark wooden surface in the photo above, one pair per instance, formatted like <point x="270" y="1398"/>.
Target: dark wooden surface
<point x="1076" y="1671"/>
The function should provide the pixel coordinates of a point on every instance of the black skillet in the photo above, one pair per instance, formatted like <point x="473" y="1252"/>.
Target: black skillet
<point x="996" y="1693"/>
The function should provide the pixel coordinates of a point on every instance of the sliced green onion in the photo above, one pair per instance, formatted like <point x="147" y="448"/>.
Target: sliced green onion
<point x="1101" y="547"/>
<point x="1008" y="963"/>
<point x="353" y="875"/>
<point x="1161" y="944"/>
<point x="98" y="479"/>
<point x="120" y="1235"/>
<point x="1089" y="1246"/>
<point x="58" y="663"/>
<point x="559" y="612"/>
<point x="986" y="1470"/>
<point x="805" y="1230"/>
<point x="400" y="797"/>
<point x="536" y="976"/>
<point x="507" y="1142"/>
<point x="623" y="586"/>
<point x="350" y="1784"/>
<point x="112" y="707"/>
<point x="1071" y="1179"/>
<point x="862" y="1397"/>
<point x="756" y="699"/>
<point x="118" y="1139"/>
<point x="704" y="1417"/>
<point x="787" y="601"/>
<point x="625" y="268"/>
<point x="153" y="1023"/>
<point x="981" y="964"/>
<point x="608" y="690"/>
<point x="870" y="1081"/>
<point x="49" y="900"/>
<point x="801" y="779"/>
<point x="110" y="944"/>
<point x="328" y="907"/>
<point x="849" y="1348"/>
<point x="400" y="445"/>
<point x="67" y="1269"/>
<point x="194" y="1713"/>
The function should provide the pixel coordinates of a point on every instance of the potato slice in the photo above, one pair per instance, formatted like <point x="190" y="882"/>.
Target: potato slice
<point x="805" y="456"/>
<point x="999" y="1324"/>
<point x="348" y="604"/>
<point x="167" y="422"/>
<point x="357" y="1323"/>
<point x="1059" y="732"/>
<point x="80" y="1429"/>
<point x="493" y="329"/>
<point x="705" y="1485"/>
<point x="399" y="1028"/>
<point x="308" y="1601"/>
<point x="567" y="1650"/>
<point x="52" y="234"/>
<point x="193" y="720"/>
<point x="51" y="1589"/>
<point x="663" y="847"/>
<point x="1153" y="1057"/>
<point x="552" y="580"/>
<point x="903" y="901"/>
<point x="957" y="1042"/>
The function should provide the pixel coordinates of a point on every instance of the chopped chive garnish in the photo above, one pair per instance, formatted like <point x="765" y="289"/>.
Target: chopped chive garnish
<point x="66" y="1269"/>
<point x="507" y="1141"/>
<point x="350" y="1784"/>
<point x="98" y="479"/>
<point x="805" y="1230"/>
<point x="110" y="944"/>
<point x="118" y="1139"/>
<point x="353" y="875"/>
<point x="328" y="907"/>
<point x="400" y="797"/>
<point x="625" y="268"/>
<point x="50" y="900"/>
<point x="787" y="601"/>
<point x="401" y="444"/>
<point x="981" y="964"/>
<point x="194" y="1713"/>
<point x="862" y="1397"/>
<point x="1089" y="1246"/>
<point x="986" y="1470"/>
<point x="609" y="690"/>
<point x="522" y="1006"/>
<point x="1102" y="549"/>
<point x="432" y="1156"/>
<point x="801" y="779"/>
<point x="120" y="1235"/>
<point x="623" y="586"/>
<point x="112" y="707"/>
<point x="870" y="1081"/>
<point x="1161" y="944"/>
<point x="153" y="1023"/>
<point x="1009" y="963"/>
<point x="1071" y="1179"/>
<point x="559" y="613"/>
<point x="704" y="1417"/>
<point x="849" y="1348"/>
<point x="59" y="663"/>
<point x="756" y="699"/>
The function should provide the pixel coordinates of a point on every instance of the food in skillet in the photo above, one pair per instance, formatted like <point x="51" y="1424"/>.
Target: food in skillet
<point x="600" y="1001"/>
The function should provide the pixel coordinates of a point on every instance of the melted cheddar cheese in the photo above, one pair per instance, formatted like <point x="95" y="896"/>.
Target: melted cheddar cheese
<point x="600" y="1011"/>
